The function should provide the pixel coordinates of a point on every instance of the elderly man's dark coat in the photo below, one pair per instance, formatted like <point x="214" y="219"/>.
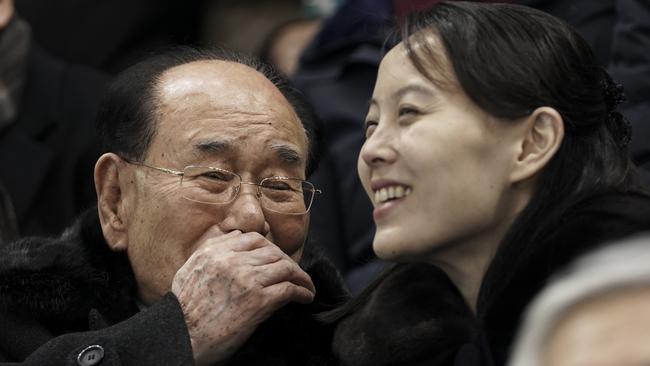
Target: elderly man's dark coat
<point x="60" y="296"/>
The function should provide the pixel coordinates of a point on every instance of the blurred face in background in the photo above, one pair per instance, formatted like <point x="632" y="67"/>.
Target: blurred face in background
<point x="435" y="166"/>
<point x="287" y="45"/>
<point x="6" y="12"/>
<point x="609" y="330"/>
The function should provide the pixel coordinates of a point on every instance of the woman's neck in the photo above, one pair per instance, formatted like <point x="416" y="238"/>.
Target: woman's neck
<point x="467" y="262"/>
<point x="467" y="274"/>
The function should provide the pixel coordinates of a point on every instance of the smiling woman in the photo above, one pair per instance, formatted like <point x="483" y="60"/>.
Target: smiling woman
<point x="494" y="154"/>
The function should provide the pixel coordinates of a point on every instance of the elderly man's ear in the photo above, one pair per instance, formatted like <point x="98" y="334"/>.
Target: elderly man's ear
<point x="111" y="177"/>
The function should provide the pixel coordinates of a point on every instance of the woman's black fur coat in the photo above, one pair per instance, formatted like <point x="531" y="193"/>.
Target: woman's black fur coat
<point x="414" y="315"/>
<point x="58" y="296"/>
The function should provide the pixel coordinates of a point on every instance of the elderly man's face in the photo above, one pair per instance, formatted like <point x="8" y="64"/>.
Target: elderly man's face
<point x="215" y="114"/>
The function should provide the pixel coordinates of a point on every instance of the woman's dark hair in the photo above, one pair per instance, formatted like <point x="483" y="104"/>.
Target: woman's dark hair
<point x="509" y="60"/>
<point x="126" y="120"/>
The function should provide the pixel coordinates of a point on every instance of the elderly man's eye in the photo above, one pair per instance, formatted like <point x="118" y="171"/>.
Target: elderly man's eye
<point x="286" y="185"/>
<point x="218" y="176"/>
<point x="278" y="185"/>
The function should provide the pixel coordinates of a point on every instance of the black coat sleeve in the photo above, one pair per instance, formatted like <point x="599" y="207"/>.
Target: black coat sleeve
<point x="155" y="336"/>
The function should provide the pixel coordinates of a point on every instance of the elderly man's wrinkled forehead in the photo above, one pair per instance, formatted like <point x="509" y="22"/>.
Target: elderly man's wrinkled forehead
<point x="230" y="82"/>
<point x="224" y="89"/>
<point x="211" y="111"/>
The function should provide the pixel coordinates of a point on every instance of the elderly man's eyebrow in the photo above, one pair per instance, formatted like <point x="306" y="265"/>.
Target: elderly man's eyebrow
<point x="283" y="152"/>
<point x="211" y="147"/>
<point x="287" y="154"/>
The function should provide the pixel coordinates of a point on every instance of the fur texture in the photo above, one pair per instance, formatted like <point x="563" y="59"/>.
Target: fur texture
<point x="59" y="280"/>
<point x="415" y="316"/>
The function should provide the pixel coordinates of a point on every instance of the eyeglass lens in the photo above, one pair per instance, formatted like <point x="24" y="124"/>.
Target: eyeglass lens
<point x="217" y="186"/>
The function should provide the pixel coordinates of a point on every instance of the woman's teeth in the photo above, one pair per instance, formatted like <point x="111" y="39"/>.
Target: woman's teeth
<point x="388" y="193"/>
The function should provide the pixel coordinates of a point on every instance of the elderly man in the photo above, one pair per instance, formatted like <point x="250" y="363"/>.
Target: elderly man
<point x="191" y="256"/>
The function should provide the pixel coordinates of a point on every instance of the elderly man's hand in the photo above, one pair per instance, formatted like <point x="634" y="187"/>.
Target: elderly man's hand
<point x="230" y="285"/>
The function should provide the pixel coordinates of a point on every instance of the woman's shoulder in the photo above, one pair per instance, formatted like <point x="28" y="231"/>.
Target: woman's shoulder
<point x="522" y="268"/>
<point x="602" y="217"/>
<point x="582" y="225"/>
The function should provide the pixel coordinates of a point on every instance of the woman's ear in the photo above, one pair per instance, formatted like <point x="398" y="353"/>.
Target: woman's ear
<point x="542" y="137"/>
<point x="110" y="200"/>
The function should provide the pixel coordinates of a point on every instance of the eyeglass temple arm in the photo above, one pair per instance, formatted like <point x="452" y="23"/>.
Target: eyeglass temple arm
<point x="164" y="170"/>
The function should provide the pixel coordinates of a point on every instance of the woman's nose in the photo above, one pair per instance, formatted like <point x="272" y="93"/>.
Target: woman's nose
<point x="379" y="148"/>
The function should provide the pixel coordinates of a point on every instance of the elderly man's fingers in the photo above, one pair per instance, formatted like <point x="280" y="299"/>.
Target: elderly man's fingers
<point x="286" y="292"/>
<point x="285" y="270"/>
<point x="264" y="255"/>
<point x="213" y="236"/>
<point x="250" y="241"/>
<point x="235" y="241"/>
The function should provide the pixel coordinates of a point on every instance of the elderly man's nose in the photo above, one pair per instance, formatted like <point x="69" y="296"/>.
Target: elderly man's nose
<point x="246" y="213"/>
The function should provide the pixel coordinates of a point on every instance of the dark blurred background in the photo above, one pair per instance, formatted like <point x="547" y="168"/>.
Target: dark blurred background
<point x="57" y="56"/>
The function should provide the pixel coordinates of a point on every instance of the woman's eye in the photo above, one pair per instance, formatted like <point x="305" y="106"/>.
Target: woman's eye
<point x="407" y="111"/>
<point x="370" y="127"/>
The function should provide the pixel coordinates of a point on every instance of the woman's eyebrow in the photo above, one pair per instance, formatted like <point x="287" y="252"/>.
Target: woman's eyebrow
<point x="411" y="88"/>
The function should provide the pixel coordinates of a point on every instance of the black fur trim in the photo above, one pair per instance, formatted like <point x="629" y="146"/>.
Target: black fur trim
<point x="61" y="279"/>
<point x="414" y="316"/>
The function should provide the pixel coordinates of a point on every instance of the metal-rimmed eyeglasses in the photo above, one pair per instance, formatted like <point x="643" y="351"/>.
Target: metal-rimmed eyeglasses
<point x="216" y="186"/>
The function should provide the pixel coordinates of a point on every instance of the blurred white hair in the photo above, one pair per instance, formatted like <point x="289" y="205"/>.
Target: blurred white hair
<point x="621" y="264"/>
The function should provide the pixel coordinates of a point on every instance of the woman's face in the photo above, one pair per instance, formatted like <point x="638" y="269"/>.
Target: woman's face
<point x="436" y="167"/>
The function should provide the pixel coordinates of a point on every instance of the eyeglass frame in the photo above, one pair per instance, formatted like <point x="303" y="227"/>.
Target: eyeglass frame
<point x="181" y="174"/>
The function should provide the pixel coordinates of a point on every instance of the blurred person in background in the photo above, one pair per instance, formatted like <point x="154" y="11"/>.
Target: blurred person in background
<point x="336" y="72"/>
<point x="594" y="313"/>
<point x="48" y="144"/>
<point x="110" y="35"/>
<point x="285" y="44"/>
